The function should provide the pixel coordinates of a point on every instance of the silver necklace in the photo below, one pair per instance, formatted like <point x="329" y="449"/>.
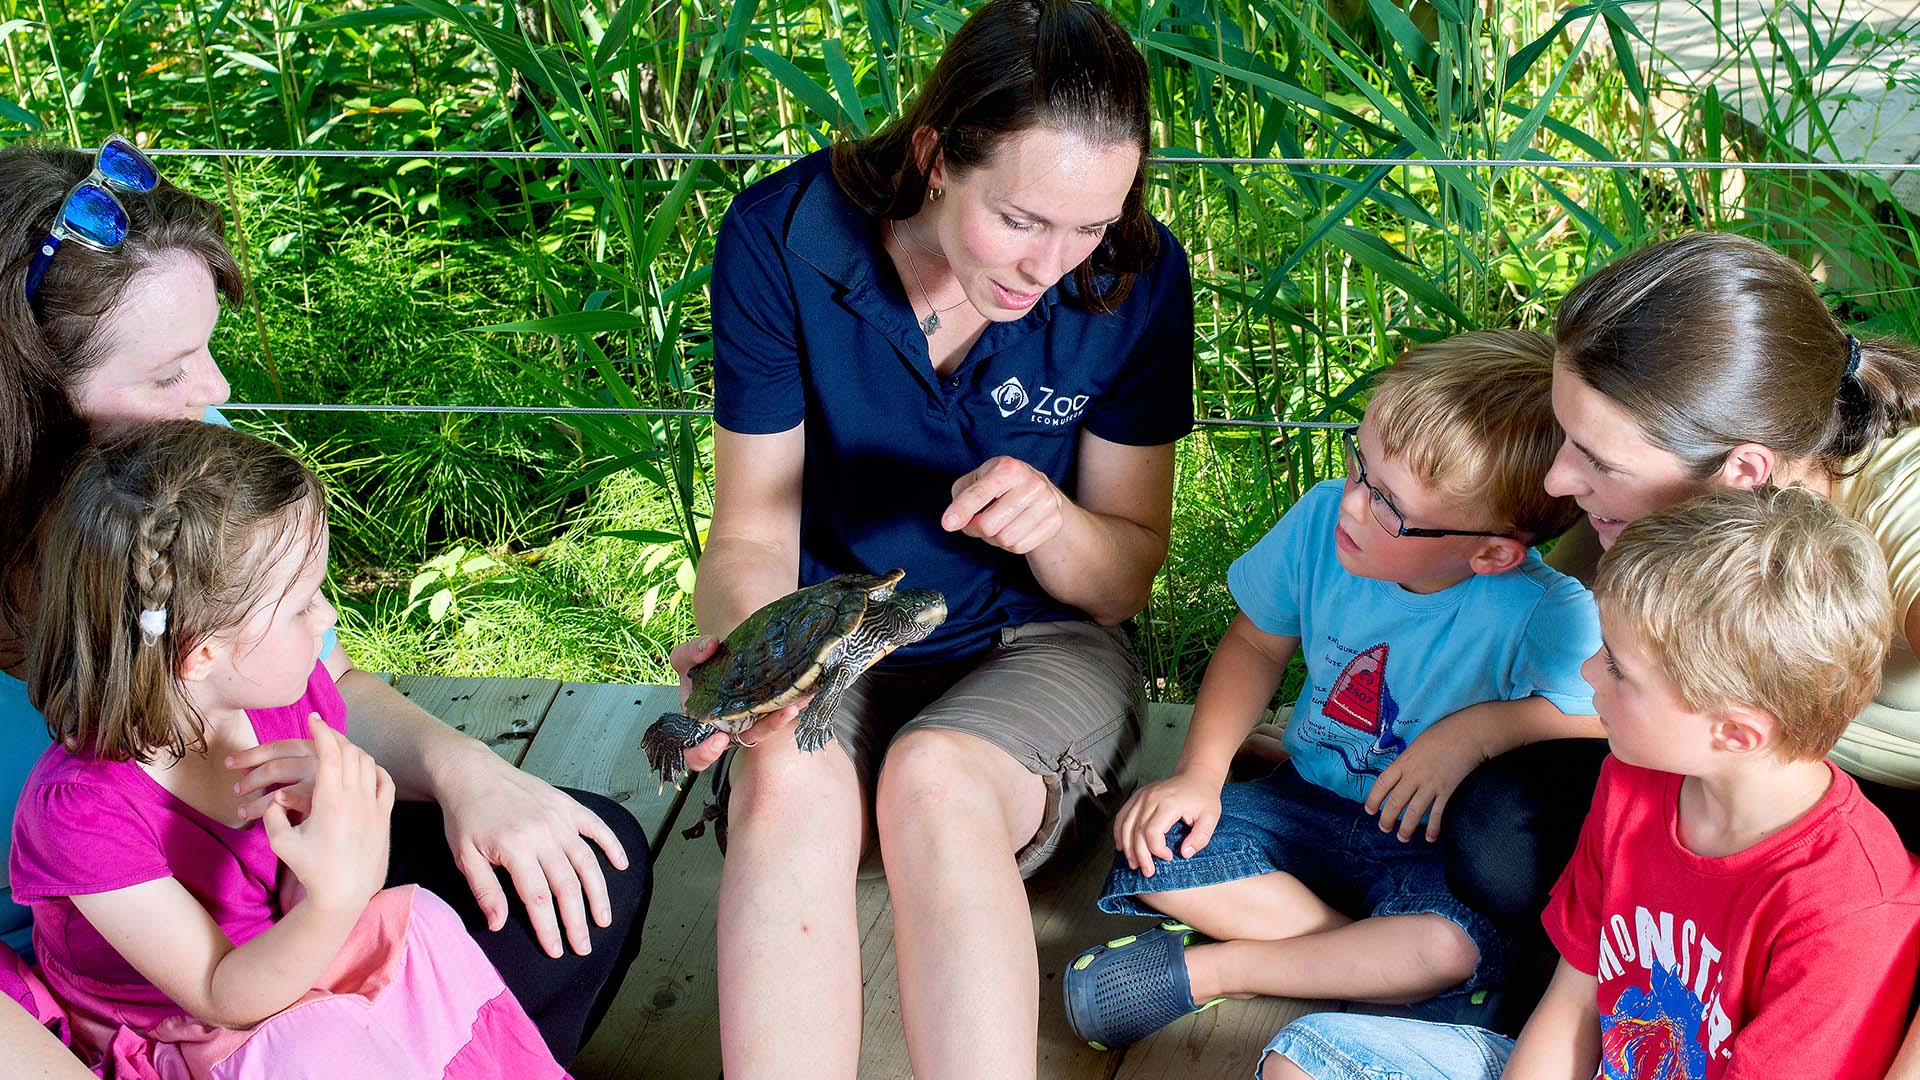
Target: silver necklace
<point x="931" y="323"/>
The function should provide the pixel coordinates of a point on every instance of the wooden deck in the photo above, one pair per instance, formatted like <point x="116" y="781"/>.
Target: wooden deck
<point x="664" y="1025"/>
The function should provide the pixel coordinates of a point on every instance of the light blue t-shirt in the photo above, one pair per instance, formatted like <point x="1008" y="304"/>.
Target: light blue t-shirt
<point x="1383" y="663"/>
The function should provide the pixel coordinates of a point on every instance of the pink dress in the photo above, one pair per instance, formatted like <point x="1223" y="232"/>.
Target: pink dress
<point x="410" y="994"/>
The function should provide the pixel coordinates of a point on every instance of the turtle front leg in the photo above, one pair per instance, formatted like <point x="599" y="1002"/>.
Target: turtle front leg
<point x="666" y="744"/>
<point x="814" y="727"/>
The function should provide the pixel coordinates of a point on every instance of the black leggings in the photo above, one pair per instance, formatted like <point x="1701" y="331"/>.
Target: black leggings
<point x="566" y="997"/>
<point x="1510" y="829"/>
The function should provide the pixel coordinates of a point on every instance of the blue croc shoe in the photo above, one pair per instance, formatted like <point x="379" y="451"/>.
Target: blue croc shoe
<point x="1131" y="987"/>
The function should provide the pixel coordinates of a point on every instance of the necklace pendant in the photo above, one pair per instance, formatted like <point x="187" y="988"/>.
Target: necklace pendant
<point x="931" y="323"/>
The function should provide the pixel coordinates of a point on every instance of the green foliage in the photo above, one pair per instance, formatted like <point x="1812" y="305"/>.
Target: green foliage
<point x="448" y="579"/>
<point x="413" y="280"/>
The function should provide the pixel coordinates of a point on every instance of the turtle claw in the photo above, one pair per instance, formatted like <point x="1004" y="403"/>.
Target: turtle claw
<point x="666" y="744"/>
<point x="811" y="738"/>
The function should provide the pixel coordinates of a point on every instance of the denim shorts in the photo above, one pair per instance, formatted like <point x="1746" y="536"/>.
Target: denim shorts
<point x="1347" y="1046"/>
<point x="1328" y="842"/>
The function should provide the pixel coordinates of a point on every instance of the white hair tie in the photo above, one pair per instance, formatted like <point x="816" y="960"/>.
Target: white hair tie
<point x="153" y="624"/>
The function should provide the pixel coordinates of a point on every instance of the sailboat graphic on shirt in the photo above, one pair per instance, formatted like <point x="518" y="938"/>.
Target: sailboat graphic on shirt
<point x="1361" y="700"/>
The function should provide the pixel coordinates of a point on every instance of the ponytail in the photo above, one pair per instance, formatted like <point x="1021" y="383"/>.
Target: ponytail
<point x="1710" y="340"/>
<point x="1879" y="397"/>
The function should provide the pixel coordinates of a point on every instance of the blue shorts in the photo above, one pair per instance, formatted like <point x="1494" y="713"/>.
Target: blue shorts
<point x="1348" y="1046"/>
<point x="1328" y="842"/>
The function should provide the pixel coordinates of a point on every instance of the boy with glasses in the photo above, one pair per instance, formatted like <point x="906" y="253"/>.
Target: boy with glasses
<point x="1433" y="638"/>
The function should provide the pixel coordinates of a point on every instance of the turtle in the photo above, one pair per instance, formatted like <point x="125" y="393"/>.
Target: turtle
<point x="814" y="640"/>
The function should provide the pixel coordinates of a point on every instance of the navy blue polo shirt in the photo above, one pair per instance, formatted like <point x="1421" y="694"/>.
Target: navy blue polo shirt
<point x="812" y="324"/>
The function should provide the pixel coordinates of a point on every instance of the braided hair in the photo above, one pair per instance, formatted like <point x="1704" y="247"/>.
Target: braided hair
<point x="154" y="546"/>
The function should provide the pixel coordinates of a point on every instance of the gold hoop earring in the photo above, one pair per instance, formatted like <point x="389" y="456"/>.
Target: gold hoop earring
<point x="936" y="194"/>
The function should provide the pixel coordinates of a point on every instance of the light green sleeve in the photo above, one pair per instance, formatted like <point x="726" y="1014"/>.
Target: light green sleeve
<point x="1883" y="743"/>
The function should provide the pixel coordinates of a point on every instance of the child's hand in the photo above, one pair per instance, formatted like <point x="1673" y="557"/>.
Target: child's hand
<point x="339" y="852"/>
<point x="1421" y="779"/>
<point x="1140" y="832"/>
<point x="287" y="762"/>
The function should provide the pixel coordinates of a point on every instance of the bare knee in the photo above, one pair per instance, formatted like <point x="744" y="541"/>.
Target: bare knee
<point x="796" y="799"/>
<point x="936" y="781"/>
<point x="1446" y="950"/>
<point x="924" y="773"/>
<point x="1279" y="1067"/>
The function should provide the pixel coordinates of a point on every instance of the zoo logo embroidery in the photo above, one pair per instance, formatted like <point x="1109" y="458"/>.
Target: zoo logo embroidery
<point x="1053" y="409"/>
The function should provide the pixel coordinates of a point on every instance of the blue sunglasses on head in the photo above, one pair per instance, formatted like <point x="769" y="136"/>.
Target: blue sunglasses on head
<point x="91" y="214"/>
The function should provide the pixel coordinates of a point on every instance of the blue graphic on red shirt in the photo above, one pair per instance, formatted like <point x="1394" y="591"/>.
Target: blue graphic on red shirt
<point x="1361" y="700"/>
<point x="1654" y="1034"/>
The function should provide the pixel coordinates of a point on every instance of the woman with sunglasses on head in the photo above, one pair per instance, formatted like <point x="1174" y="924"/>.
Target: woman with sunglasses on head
<point x="110" y="285"/>
<point x="961" y="347"/>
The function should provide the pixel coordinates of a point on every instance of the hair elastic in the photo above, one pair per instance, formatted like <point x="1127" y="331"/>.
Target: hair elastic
<point x="1853" y="357"/>
<point x="153" y="624"/>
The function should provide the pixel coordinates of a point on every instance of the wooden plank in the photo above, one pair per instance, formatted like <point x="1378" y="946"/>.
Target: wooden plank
<point x="665" y="1024"/>
<point x="503" y="713"/>
<point x="1223" y="1042"/>
<point x="590" y="739"/>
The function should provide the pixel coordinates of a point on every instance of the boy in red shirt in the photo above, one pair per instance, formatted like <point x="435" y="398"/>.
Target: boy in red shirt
<point x="1735" y="908"/>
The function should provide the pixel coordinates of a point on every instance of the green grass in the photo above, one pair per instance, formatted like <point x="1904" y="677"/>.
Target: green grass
<point x="576" y="608"/>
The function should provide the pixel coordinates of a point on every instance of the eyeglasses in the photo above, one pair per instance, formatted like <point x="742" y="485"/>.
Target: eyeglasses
<point x="91" y="213"/>
<point x="1387" y="514"/>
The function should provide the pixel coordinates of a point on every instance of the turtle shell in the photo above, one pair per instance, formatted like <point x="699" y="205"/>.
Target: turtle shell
<point x="777" y="653"/>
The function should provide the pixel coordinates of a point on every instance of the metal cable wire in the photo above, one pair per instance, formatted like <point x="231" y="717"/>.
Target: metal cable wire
<point x="1204" y="421"/>
<point x="1158" y="159"/>
<point x="577" y="410"/>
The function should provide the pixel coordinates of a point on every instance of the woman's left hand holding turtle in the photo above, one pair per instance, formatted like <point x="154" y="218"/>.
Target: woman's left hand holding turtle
<point x="694" y="651"/>
<point x="1007" y="503"/>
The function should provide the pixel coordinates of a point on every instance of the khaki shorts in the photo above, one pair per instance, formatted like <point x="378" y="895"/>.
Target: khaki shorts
<point x="1064" y="699"/>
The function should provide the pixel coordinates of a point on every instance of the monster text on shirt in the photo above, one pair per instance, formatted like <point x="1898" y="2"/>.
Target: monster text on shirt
<point x="1672" y="1026"/>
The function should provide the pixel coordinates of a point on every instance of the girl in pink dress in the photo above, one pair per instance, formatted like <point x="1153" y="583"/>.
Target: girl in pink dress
<point x="184" y="932"/>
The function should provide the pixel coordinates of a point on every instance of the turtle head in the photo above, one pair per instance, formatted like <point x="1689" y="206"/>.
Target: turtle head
<point x="920" y="611"/>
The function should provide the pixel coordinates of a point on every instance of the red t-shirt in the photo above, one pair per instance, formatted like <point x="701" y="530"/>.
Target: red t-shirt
<point x="1793" y="958"/>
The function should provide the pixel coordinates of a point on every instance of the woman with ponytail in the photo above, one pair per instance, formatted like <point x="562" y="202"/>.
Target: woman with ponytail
<point x="1707" y="361"/>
